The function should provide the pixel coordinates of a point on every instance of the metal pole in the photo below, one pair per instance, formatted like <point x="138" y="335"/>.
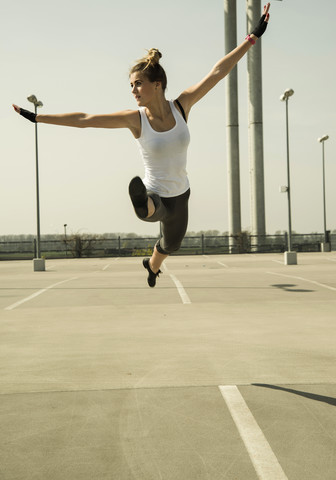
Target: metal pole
<point x="288" y="185"/>
<point x="232" y="127"/>
<point x="65" y="240"/>
<point x="37" y="193"/>
<point x="324" y="198"/>
<point x="255" y="121"/>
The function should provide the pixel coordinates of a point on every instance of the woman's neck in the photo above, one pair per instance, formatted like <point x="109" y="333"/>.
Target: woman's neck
<point x="158" y="108"/>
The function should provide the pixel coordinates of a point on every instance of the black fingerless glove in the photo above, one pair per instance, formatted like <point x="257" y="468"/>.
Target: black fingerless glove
<point x="260" y="28"/>
<point x="28" y="115"/>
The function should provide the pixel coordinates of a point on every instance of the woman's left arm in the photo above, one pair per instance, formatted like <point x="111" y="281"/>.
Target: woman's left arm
<point x="192" y="95"/>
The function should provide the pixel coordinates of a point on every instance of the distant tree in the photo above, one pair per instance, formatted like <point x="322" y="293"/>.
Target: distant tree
<point x="80" y="244"/>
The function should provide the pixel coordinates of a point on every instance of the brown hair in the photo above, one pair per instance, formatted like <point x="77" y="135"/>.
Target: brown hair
<point x="151" y="68"/>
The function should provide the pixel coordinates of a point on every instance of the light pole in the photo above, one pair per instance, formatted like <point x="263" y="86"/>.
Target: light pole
<point x="290" y="257"/>
<point x="326" y="246"/>
<point x="65" y="240"/>
<point x="39" y="264"/>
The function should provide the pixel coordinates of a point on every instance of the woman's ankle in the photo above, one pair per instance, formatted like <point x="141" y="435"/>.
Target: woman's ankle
<point x="156" y="260"/>
<point x="153" y="267"/>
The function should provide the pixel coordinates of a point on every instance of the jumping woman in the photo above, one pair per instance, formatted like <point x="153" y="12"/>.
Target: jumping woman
<point x="160" y="129"/>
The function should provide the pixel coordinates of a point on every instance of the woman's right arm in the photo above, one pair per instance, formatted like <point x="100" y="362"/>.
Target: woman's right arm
<point x="124" y="119"/>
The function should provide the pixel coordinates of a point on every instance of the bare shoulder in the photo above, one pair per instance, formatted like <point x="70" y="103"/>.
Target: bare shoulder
<point x="183" y="100"/>
<point x="178" y="104"/>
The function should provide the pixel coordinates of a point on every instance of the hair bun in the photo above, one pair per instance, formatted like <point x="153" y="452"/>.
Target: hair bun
<point x="153" y="56"/>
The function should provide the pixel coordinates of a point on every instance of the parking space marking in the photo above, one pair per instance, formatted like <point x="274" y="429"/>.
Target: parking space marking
<point x="183" y="294"/>
<point x="36" y="294"/>
<point x="278" y="261"/>
<point x="323" y="285"/>
<point x="262" y="456"/>
<point x="106" y="266"/>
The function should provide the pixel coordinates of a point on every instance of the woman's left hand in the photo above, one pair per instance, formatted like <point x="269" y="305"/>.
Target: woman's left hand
<point x="262" y="25"/>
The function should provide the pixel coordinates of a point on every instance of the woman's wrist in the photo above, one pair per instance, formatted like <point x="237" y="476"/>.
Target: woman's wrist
<point x="254" y="37"/>
<point x="251" y="39"/>
<point x="31" y="116"/>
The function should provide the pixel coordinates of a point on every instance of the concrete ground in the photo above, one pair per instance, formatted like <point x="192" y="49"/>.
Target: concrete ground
<point x="102" y="377"/>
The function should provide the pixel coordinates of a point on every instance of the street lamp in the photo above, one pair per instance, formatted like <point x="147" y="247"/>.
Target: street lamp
<point x="290" y="257"/>
<point x="326" y="246"/>
<point x="39" y="263"/>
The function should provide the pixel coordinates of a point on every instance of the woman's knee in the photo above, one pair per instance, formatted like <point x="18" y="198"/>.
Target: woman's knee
<point x="169" y="247"/>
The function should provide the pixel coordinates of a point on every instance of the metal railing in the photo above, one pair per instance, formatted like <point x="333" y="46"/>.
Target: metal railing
<point x="86" y="246"/>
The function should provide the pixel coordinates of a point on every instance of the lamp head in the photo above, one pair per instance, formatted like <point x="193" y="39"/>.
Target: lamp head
<point x="322" y="139"/>
<point x="32" y="99"/>
<point x="287" y="93"/>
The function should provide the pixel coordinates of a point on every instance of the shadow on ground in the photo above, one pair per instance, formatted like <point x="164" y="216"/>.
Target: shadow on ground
<point x="290" y="288"/>
<point x="311" y="396"/>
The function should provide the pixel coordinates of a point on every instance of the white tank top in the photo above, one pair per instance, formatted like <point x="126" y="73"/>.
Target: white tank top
<point x="165" y="155"/>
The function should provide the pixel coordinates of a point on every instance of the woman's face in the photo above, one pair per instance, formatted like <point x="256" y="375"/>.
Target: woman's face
<point x="142" y="89"/>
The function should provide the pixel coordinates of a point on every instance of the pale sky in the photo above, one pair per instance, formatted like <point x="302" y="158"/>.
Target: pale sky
<point x="75" y="55"/>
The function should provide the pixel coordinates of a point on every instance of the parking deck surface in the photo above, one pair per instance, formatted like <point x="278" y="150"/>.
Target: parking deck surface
<point x="225" y="370"/>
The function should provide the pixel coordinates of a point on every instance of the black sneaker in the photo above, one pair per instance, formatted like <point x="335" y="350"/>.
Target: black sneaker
<point x="139" y="197"/>
<point x="151" y="275"/>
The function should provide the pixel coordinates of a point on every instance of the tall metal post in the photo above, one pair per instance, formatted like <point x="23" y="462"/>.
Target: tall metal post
<point x="38" y="262"/>
<point x="288" y="185"/>
<point x="38" y="238"/>
<point x="324" y="198"/>
<point x="255" y="120"/>
<point x="232" y="127"/>
<point x="326" y="244"/>
<point x="290" y="256"/>
<point x="65" y="240"/>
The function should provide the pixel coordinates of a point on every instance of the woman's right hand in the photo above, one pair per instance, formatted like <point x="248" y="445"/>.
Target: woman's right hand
<point x="31" y="116"/>
<point x="16" y="108"/>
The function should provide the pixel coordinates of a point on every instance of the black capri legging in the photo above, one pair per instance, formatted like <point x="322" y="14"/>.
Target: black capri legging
<point x="173" y="214"/>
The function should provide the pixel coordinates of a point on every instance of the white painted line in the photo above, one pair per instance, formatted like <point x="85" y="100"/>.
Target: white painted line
<point x="36" y="294"/>
<point x="164" y="267"/>
<point x="224" y="264"/>
<point x="183" y="294"/>
<point x="262" y="456"/>
<point x="323" y="285"/>
<point x="106" y="266"/>
<point x="278" y="261"/>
